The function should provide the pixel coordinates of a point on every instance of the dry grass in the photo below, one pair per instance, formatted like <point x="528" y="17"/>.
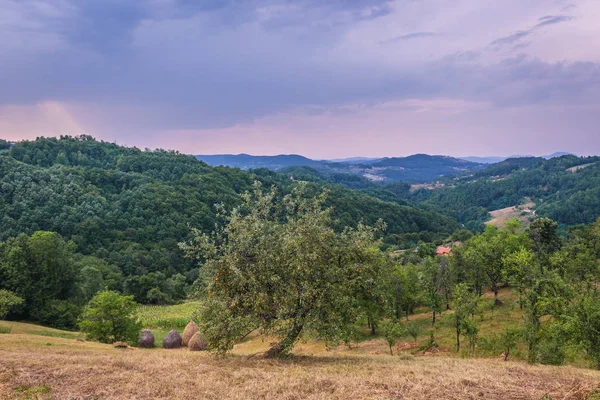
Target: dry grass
<point x="579" y="167"/>
<point x="49" y="367"/>
<point x="499" y="217"/>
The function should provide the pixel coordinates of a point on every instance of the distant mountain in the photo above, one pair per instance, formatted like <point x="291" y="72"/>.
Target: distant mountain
<point x="484" y="160"/>
<point x="355" y="160"/>
<point x="494" y="160"/>
<point x="557" y="154"/>
<point x="421" y="168"/>
<point x="246" y="161"/>
<point x="418" y="168"/>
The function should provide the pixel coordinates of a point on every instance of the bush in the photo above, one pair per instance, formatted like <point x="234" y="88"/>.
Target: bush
<point x="413" y="330"/>
<point x="110" y="317"/>
<point x="5" y="329"/>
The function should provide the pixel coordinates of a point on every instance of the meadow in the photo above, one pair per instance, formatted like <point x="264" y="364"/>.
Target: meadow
<point x="43" y="363"/>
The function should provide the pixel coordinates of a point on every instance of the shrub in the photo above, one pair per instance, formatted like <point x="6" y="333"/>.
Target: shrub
<point x="110" y="317"/>
<point x="5" y="329"/>
<point x="413" y="330"/>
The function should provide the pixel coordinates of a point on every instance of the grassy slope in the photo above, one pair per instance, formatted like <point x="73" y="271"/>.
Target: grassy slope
<point x="61" y="368"/>
<point x="37" y="362"/>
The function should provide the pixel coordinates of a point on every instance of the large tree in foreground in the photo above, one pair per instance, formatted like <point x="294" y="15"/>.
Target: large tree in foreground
<point x="278" y="266"/>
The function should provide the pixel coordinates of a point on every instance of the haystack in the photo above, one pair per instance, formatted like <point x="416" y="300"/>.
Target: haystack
<point x="147" y="339"/>
<point x="189" y="331"/>
<point x="197" y="343"/>
<point x="172" y="340"/>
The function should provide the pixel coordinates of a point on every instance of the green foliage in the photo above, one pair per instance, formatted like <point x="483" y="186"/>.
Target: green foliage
<point x="392" y="332"/>
<point x="125" y="210"/>
<point x="466" y="305"/>
<point x="565" y="196"/>
<point x="585" y="325"/>
<point x="5" y="329"/>
<point x="509" y="340"/>
<point x="8" y="300"/>
<point x="280" y="266"/>
<point x="61" y="314"/>
<point x="39" y="269"/>
<point x="109" y="318"/>
<point x="413" y="330"/>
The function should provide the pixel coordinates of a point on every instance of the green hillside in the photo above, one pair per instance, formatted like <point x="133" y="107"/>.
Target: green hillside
<point x="117" y="215"/>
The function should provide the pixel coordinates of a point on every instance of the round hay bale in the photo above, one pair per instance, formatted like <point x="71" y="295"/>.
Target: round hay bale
<point x="172" y="340"/>
<point x="147" y="339"/>
<point x="189" y="331"/>
<point x="197" y="343"/>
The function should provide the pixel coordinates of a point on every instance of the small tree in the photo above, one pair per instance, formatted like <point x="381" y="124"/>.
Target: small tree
<point x="466" y="304"/>
<point x="110" y="317"/>
<point x="509" y="339"/>
<point x="392" y="332"/>
<point x="8" y="300"/>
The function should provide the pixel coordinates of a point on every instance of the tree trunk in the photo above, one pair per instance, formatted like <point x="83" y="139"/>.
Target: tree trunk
<point x="283" y="347"/>
<point x="397" y="299"/>
<point x="496" y="298"/>
<point x="457" y="335"/>
<point x="506" y="353"/>
<point x="433" y="319"/>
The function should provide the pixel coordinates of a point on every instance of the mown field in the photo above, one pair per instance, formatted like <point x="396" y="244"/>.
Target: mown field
<point x="42" y="363"/>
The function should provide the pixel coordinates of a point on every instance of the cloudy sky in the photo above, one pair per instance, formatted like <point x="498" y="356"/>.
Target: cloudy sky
<point x="323" y="78"/>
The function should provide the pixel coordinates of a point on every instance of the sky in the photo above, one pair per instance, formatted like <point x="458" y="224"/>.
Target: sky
<point x="321" y="78"/>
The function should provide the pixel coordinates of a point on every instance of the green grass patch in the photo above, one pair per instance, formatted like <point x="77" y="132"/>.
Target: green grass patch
<point x="33" y="392"/>
<point x="5" y="329"/>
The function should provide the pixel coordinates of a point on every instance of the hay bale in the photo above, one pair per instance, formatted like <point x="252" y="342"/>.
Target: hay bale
<point x="172" y="340"/>
<point x="189" y="331"/>
<point x="147" y="339"/>
<point x="197" y="343"/>
<point x="120" y="345"/>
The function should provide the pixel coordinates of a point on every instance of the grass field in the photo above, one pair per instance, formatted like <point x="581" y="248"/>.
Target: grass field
<point x="42" y="363"/>
<point x="37" y="367"/>
<point x="499" y="217"/>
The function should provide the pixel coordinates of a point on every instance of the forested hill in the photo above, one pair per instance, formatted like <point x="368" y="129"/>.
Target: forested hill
<point x="565" y="189"/>
<point x="132" y="207"/>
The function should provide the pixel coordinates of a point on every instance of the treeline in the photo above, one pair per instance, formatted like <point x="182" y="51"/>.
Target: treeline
<point x="122" y="211"/>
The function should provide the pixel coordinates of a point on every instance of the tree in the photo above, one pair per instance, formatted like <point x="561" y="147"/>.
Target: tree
<point x="109" y="318"/>
<point x="466" y="304"/>
<point x="585" y="325"/>
<point x="544" y="237"/>
<point x="542" y="292"/>
<point x="278" y="266"/>
<point x="8" y="300"/>
<point x="489" y="249"/>
<point x="392" y="332"/>
<point x="431" y="285"/>
<point x="40" y="269"/>
<point x="509" y="339"/>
